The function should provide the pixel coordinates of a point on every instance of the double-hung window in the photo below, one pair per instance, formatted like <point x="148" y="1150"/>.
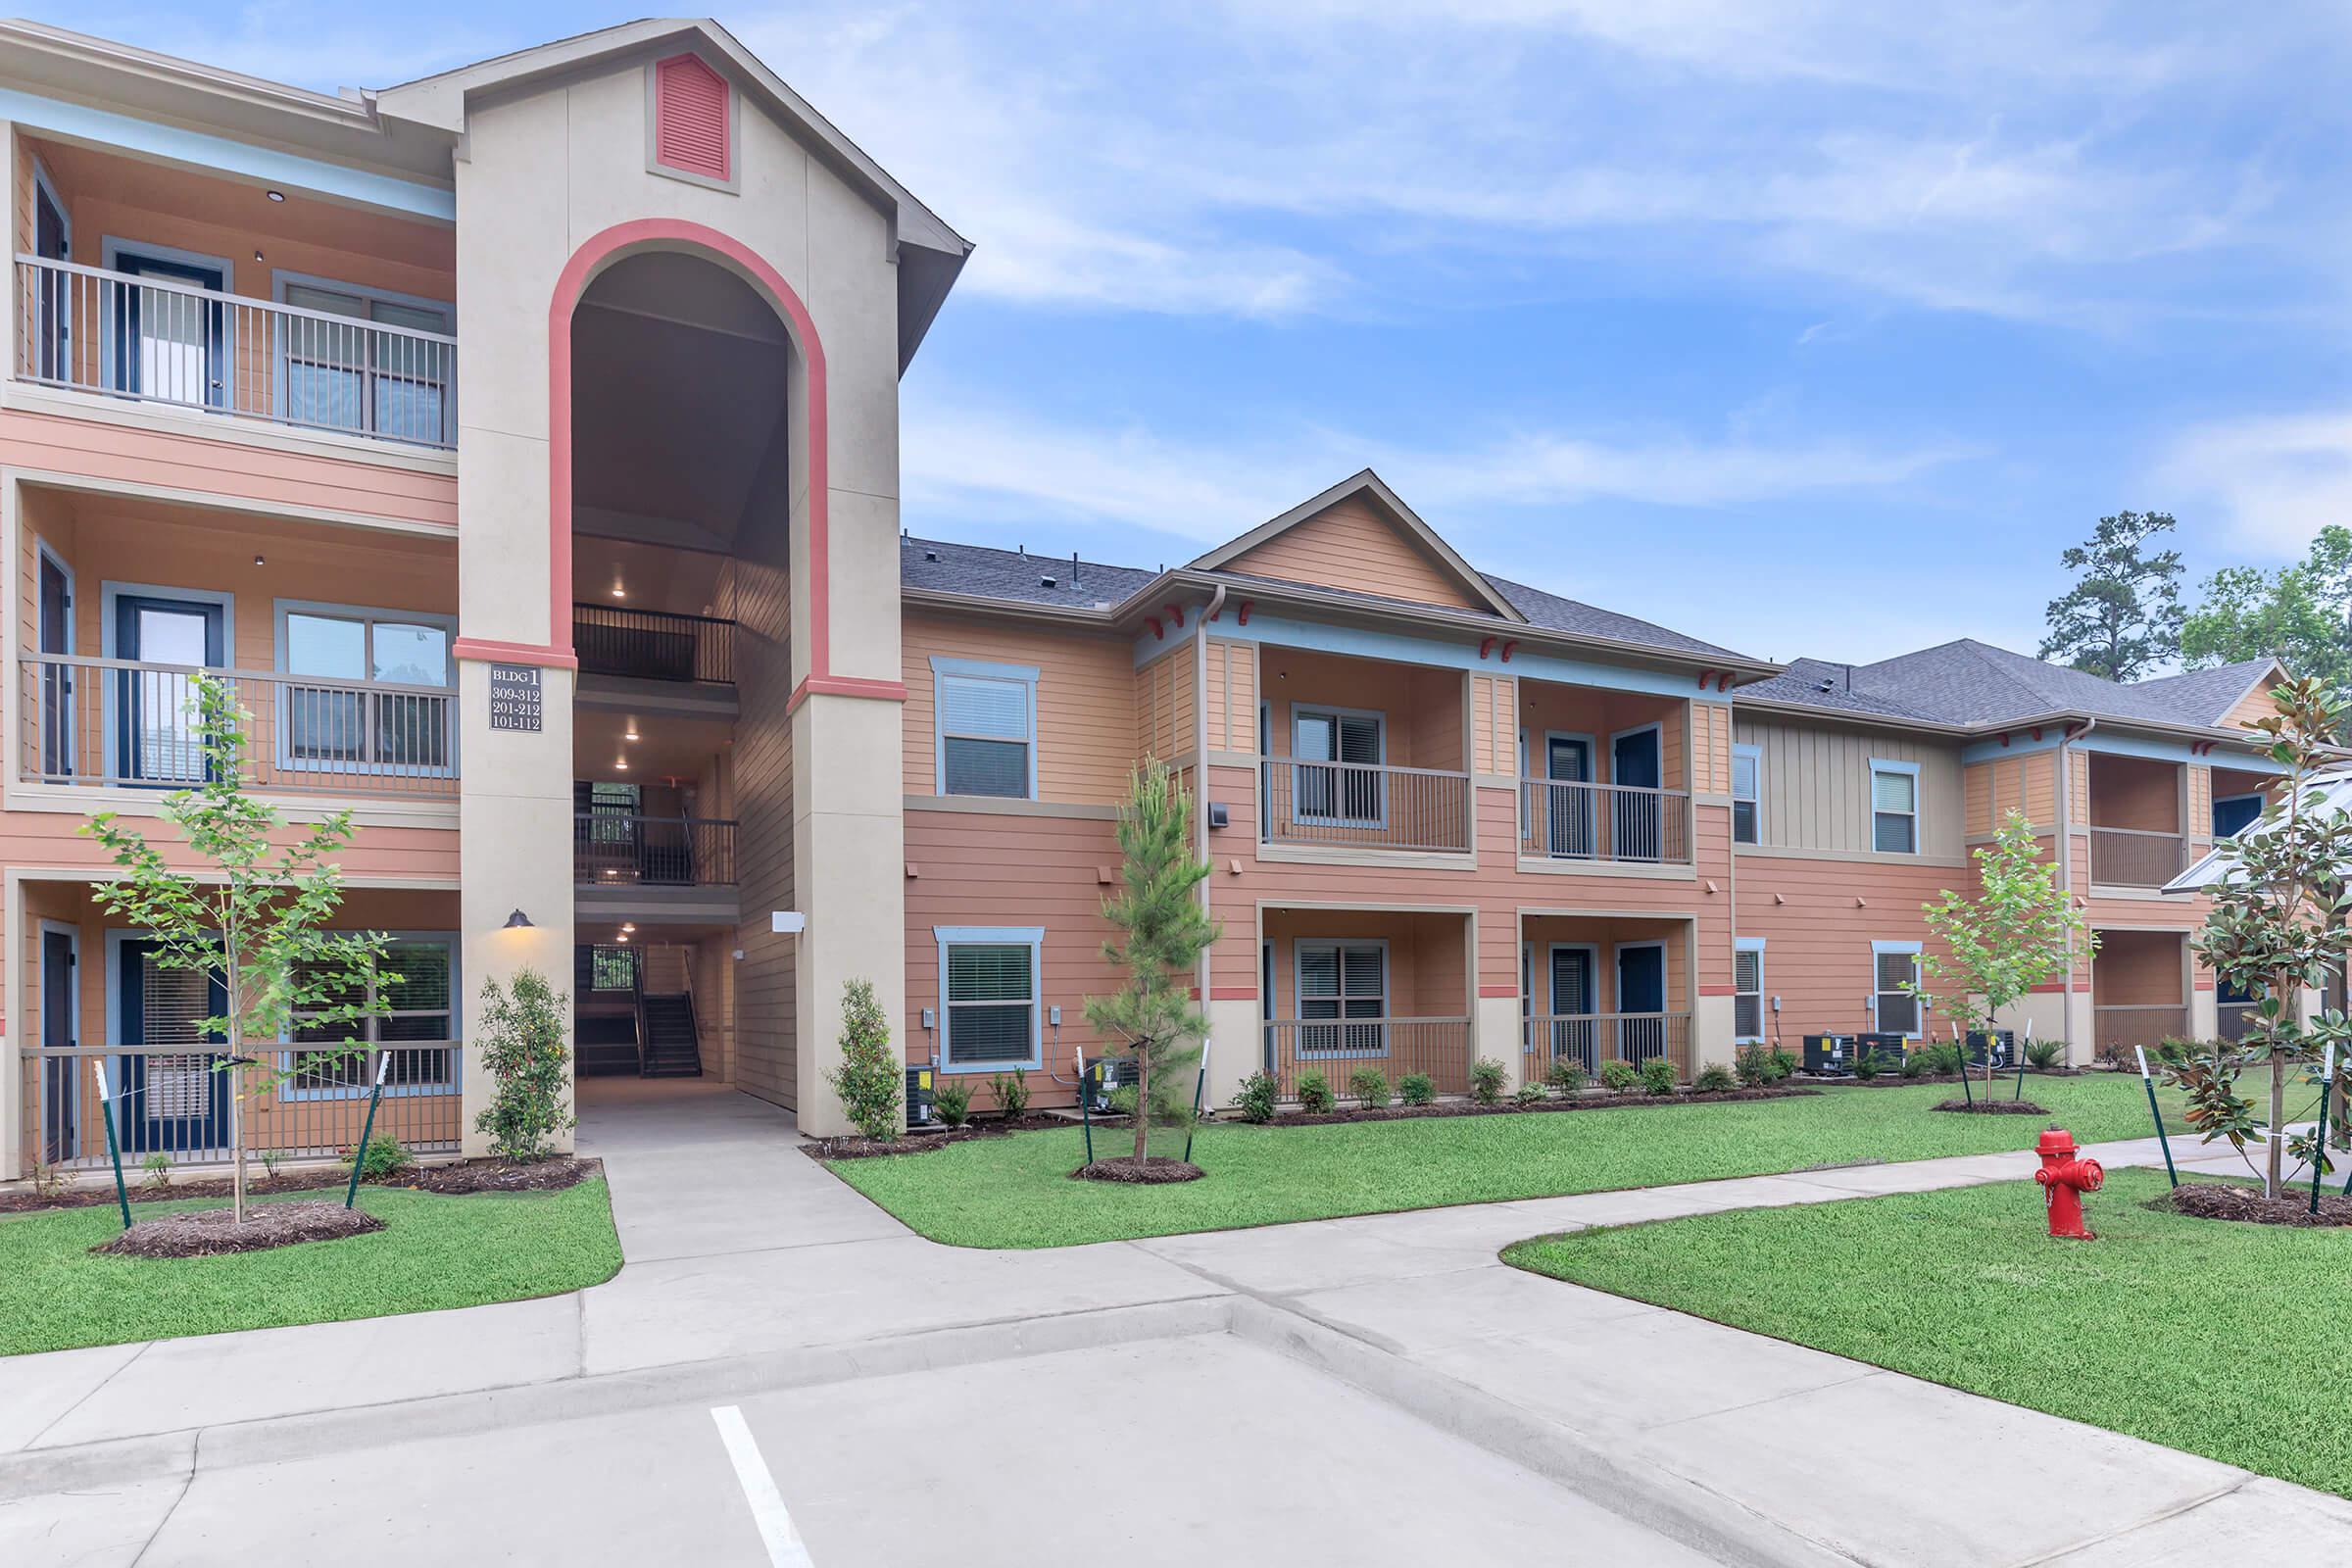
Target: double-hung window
<point x="987" y="728"/>
<point x="1343" y="995"/>
<point x="1747" y="990"/>
<point x="413" y="991"/>
<point x="1338" y="774"/>
<point x="339" y="724"/>
<point x="1894" y="965"/>
<point x="988" y="994"/>
<point x="1894" y="807"/>
<point x="1747" y="766"/>
<point x="356" y="360"/>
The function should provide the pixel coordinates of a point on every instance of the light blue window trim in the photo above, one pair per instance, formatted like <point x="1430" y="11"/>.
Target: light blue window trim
<point x="1883" y="765"/>
<point x="1753" y="799"/>
<point x="291" y="1060"/>
<point x="1033" y="937"/>
<point x="1880" y="949"/>
<point x="1346" y="790"/>
<point x="368" y="616"/>
<point x="1744" y="1037"/>
<point x="1346" y="1034"/>
<point x="1023" y="675"/>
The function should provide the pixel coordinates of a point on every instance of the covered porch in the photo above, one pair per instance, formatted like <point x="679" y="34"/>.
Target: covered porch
<point x="2139" y="991"/>
<point x="1350" y="989"/>
<point x="1602" y="775"/>
<point x="1595" y="989"/>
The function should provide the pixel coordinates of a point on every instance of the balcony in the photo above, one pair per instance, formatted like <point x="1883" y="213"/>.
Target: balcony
<point x="147" y="339"/>
<point x="617" y="850"/>
<point x="1565" y="820"/>
<point x="110" y="722"/>
<point x="653" y="645"/>
<point x="2135" y="858"/>
<point x="1355" y="806"/>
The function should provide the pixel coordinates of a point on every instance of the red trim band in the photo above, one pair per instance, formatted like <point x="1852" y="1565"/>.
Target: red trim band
<point x="888" y="691"/>
<point x="1718" y="991"/>
<point x="485" y="648"/>
<point x="1233" y="993"/>
<point x="1499" y="991"/>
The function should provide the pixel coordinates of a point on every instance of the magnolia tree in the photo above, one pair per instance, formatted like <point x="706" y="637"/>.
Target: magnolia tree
<point x="1163" y="931"/>
<point x="253" y="921"/>
<point x="2278" y="928"/>
<point x="2016" y="933"/>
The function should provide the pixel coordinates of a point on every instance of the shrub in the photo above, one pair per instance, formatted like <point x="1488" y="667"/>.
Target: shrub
<point x="521" y="1038"/>
<point x="1417" y="1089"/>
<point x="2043" y="1055"/>
<point x="1866" y="1062"/>
<point x="271" y="1158"/>
<point x="1370" y="1087"/>
<point x="1259" y="1097"/>
<point x="1781" y="1064"/>
<point x="1567" y="1075"/>
<point x="953" y="1103"/>
<point x="1938" y="1056"/>
<point x="870" y="1078"/>
<point x="1122" y="1100"/>
<point x="1915" y="1062"/>
<point x="1658" y="1076"/>
<point x="1486" y="1078"/>
<point x="1619" y="1076"/>
<point x="48" y="1183"/>
<point x="1527" y="1095"/>
<point x="158" y="1168"/>
<point x="1715" y="1079"/>
<point x="383" y="1156"/>
<point x="1012" y="1090"/>
<point x="1314" y="1091"/>
<point x="1752" y="1066"/>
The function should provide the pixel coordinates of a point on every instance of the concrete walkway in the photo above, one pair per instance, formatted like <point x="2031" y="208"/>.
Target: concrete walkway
<point x="1356" y="1360"/>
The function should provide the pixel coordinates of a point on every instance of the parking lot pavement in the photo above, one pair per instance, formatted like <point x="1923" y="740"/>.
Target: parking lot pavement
<point x="1141" y="1455"/>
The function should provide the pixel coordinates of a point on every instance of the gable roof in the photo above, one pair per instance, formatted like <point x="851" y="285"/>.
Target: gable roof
<point x="979" y="571"/>
<point x="1369" y="486"/>
<point x="928" y="252"/>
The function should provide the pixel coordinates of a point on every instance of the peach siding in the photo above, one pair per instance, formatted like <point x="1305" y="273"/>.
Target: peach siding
<point x="2255" y="705"/>
<point x="2134" y="792"/>
<point x="1232" y="713"/>
<point x="1494" y="709"/>
<point x="1712" y="747"/>
<point x="1088" y="694"/>
<point x="1428" y="956"/>
<point x="2026" y="784"/>
<point x="1163" y="707"/>
<point x="1817" y="952"/>
<point x="1544" y="932"/>
<point x="1423" y="706"/>
<point x="1544" y="706"/>
<point x="1349" y="545"/>
<point x="2200" y="801"/>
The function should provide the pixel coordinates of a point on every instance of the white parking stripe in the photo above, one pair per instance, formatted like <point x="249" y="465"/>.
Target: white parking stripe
<point x="784" y="1547"/>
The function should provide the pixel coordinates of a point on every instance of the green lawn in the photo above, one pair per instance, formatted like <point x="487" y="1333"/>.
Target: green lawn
<point x="2202" y="1335"/>
<point x="1015" y="1191"/>
<point x="434" y="1252"/>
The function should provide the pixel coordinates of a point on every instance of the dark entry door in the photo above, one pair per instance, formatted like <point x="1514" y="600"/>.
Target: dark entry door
<point x="1568" y="760"/>
<point x="170" y="344"/>
<point x="1571" y="995"/>
<point x="61" y="1082"/>
<point x="171" y="1100"/>
<point x="57" y="680"/>
<point x="1635" y="808"/>
<point x="1641" y="996"/>
<point x="156" y="737"/>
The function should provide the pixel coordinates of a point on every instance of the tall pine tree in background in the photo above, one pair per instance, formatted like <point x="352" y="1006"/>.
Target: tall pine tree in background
<point x="2122" y="618"/>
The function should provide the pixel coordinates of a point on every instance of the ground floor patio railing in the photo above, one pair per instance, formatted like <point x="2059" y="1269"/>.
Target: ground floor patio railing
<point x="2118" y="1030"/>
<point x="1592" y="1039"/>
<point x="1397" y="1048"/>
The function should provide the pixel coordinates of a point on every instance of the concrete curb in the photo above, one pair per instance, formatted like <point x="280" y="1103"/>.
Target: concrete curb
<point x="172" y="1455"/>
<point x="1665" y="1503"/>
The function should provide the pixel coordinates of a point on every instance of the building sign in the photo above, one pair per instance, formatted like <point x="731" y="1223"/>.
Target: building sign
<point x="514" y="698"/>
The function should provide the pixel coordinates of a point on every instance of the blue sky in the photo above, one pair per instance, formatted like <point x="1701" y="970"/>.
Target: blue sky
<point x="1811" y="328"/>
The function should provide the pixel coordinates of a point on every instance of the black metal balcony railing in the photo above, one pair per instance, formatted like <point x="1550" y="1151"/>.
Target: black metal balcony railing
<point x="652" y="644"/>
<point x="613" y="848"/>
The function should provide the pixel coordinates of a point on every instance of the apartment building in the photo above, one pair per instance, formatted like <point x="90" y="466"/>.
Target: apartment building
<point x="522" y="445"/>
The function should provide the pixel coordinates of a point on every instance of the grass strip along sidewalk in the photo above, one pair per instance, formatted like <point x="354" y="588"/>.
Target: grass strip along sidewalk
<point x="435" y="1252"/>
<point x="1014" y="1192"/>
<point x="2216" y="1338"/>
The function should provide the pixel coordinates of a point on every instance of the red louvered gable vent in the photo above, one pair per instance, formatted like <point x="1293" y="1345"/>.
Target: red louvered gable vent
<point x="690" y="117"/>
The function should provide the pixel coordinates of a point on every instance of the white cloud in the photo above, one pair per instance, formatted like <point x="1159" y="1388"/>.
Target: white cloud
<point x="2277" y="479"/>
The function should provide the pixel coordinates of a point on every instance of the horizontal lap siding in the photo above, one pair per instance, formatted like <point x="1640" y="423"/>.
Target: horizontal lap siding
<point x="2255" y="705"/>
<point x="2137" y="968"/>
<point x="1427" y="954"/>
<point x="1352" y="546"/>
<point x="1817" y="955"/>
<point x="1085" y="701"/>
<point x="1606" y="936"/>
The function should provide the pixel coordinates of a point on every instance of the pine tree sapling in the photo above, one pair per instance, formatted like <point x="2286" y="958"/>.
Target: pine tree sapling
<point x="521" y="1041"/>
<point x="2278" y="926"/>
<point x="254" y="922"/>
<point x="1163" y="932"/>
<point x="871" y="1079"/>
<point x="2018" y="931"/>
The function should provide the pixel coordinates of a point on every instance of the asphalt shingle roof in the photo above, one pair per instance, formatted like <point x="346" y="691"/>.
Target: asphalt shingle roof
<point x="1971" y="683"/>
<point x="1554" y="614"/>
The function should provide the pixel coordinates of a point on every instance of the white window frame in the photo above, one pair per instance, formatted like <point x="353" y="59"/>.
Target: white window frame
<point x="1023" y="675"/>
<point x="1301" y="713"/>
<point x="289" y="1060"/>
<point x="368" y="615"/>
<point x="1756" y="945"/>
<point x="1753" y="755"/>
<point x="1880" y="765"/>
<point x="1879" y="950"/>
<point x="992" y="936"/>
<point x="1301" y="947"/>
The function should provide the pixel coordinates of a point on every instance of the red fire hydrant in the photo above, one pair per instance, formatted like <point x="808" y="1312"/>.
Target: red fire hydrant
<point x="2064" y="1177"/>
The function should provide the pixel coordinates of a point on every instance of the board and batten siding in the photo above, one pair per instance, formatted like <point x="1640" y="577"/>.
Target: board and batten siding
<point x="1085" y="701"/>
<point x="1232" y="710"/>
<point x="1813" y="785"/>
<point x="2026" y="784"/>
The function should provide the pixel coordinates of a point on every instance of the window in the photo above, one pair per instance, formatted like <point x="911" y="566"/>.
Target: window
<point x="989" y="990"/>
<point x="417" y="986"/>
<point x="1351" y="792"/>
<point x="346" y="727"/>
<point x="1746" y="768"/>
<point x="359" y="360"/>
<point x="1894" y="965"/>
<point x="2233" y="813"/>
<point x="986" y="728"/>
<point x="1342" y="981"/>
<point x="1894" y="807"/>
<point x="612" y="969"/>
<point x="1747" y="990"/>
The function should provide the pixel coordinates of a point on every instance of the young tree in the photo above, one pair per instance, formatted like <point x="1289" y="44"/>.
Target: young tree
<point x="872" y="1077"/>
<point x="2278" y="926"/>
<point x="1163" y="930"/>
<point x="522" y="1051"/>
<point x="2123" y="616"/>
<point x="254" y="921"/>
<point x="2297" y="615"/>
<point x="2018" y="931"/>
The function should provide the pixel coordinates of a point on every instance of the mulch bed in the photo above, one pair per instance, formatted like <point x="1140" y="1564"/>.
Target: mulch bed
<point x="914" y="1142"/>
<point x="1895" y="1079"/>
<point x="211" y="1232"/>
<point x="466" y="1176"/>
<point x="1159" y="1170"/>
<point x="2214" y="1201"/>
<point x="1993" y="1108"/>
<point x="1607" y="1102"/>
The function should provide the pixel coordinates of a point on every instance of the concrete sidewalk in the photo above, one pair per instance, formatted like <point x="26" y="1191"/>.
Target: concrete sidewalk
<point x="751" y="1273"/>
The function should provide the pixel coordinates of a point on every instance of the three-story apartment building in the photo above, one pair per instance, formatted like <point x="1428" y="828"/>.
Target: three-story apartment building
<point x="520" y="445"/>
